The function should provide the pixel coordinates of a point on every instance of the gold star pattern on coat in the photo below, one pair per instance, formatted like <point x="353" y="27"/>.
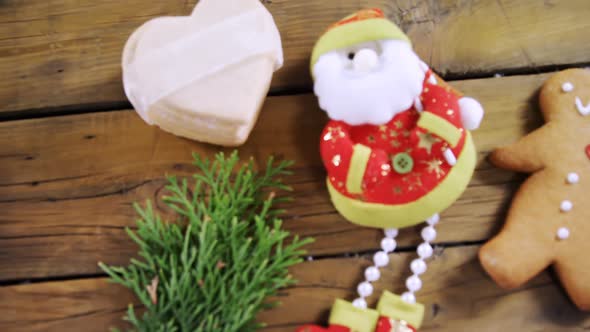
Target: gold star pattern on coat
<point x="333" y="134"/>
<point x="433" y="166"/>
<point x="427" y="141"/>
<point x="413" y="180"/>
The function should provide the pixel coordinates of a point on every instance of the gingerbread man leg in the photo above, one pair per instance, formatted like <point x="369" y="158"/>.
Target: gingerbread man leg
<point x="574" y="274"/>
<point x="525" y="246"/>
<point x="511" y="260"/>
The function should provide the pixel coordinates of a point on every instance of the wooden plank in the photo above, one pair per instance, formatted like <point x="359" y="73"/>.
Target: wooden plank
<point x="83" y="305"/>
<point x="67" y="183"/>
<point x="457" y="294"/>
<point x="59" y="53"/>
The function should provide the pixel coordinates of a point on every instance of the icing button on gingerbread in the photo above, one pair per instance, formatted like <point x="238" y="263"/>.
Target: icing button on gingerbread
<point x="563" y="233"/>
<point x="566" y="206"/>
<point x="567" y="87"/>
<point x="573" y="178"/>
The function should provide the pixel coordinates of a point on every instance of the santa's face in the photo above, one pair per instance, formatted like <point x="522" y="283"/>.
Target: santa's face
<point x="369" y="83"/>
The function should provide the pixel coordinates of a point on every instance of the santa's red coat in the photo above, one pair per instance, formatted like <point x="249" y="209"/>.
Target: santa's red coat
<point x="382" y="182"/>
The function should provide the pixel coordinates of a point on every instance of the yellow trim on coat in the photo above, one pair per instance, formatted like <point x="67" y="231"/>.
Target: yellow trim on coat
<point x="440" y="127"/>
<point x="356" y="171"/>
<point x="357" y="319"/>
<point x="392" y="306"/>
<point x="409" y="214"/>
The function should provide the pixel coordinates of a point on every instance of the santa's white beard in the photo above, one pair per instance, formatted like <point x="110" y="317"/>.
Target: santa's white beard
<point x="369" y="98"/>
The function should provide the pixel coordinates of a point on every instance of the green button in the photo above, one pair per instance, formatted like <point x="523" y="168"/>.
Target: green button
<point x="403" y="163"/>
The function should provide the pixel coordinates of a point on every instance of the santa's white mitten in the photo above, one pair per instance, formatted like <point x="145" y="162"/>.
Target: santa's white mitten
<point x="471" y="113"/>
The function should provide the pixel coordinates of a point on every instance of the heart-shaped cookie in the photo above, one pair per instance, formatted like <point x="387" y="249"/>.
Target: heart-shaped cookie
<point x="204" y="76"/>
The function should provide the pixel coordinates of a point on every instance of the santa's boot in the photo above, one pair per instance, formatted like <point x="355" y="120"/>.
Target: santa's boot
<point x="345" y="317"/>
<point x="397" y="315"/>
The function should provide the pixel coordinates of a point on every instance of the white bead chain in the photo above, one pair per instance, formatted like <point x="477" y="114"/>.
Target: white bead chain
<point x="418" y="265"/>
<point x="372" y="274"/>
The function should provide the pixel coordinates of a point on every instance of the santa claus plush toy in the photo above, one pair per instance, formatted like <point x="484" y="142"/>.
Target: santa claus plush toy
<point x="397" y="151"/>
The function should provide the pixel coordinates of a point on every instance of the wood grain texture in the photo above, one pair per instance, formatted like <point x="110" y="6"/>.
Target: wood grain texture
<point x="457" y="294"/>
<point x="67" y="183"/>
<point x="84" y="305"/>
<point x="66" y="53"/>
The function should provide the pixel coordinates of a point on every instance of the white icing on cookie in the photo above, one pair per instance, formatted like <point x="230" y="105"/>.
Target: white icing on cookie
<point x="566" y="206"/>
<point x="573" y="178"/>
<point x="583" y="109"/>
<point x="567" y="87"/>
<point x="563" y="233"/>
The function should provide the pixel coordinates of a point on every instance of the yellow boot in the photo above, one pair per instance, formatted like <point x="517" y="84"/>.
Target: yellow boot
<point x="396" y="315"/>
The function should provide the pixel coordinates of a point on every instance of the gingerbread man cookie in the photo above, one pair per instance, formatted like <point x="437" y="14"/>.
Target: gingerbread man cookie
<point x="549" y="220"/>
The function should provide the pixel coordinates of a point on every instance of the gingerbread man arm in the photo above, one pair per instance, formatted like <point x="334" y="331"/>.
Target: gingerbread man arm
<point x="526" y="155"/>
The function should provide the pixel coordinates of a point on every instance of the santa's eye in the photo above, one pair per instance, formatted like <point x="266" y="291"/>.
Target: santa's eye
<point x="351" y="55"/>
<point x="567" y="87"/>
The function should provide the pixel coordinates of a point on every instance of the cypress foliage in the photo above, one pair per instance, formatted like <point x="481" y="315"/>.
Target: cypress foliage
<point x="213" y="268"/>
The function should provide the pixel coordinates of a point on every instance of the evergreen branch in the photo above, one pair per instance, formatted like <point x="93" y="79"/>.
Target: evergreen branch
<point x="221" y="259"/>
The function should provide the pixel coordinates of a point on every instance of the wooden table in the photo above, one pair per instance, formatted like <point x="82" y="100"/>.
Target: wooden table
<point x="73" y="158"/>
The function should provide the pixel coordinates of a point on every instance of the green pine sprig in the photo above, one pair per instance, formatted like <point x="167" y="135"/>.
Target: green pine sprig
<point x="214" y="267"/>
